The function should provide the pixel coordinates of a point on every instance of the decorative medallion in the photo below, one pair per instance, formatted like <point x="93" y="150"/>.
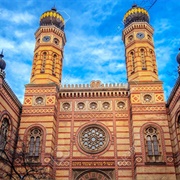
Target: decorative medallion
<point x="39" y="100"/>
<point x="147" y="98"/>
<point x="121" y="105"/>
<point x="66" y="106"/>
<point x="93" y="139"/>
<point x="93" y="105"/>
<point x="80" y="105"/>
<point x="106" y="105"/>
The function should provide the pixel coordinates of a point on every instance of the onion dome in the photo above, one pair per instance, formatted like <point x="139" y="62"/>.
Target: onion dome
<point x="52" y="17"/>
<point x="2" y="62"/>
<point x="135" y="14"/>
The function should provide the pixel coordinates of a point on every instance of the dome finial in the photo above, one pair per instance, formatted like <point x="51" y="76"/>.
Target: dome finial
<point x="134" y="5"/>
<point x="54" y="8"/>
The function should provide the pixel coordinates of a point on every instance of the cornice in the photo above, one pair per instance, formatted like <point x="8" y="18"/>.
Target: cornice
<point x="11" y="93"/>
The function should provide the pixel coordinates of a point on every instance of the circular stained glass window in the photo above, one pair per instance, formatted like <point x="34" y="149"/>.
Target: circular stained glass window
<point x="147" y="98"/>
<point x="93" y="139"/>
<point x="39" y="100"/>
<point x="81" y="105"/>
<point x="93" y="105"/>
<point x="106" y="105"/>
<point x="66" y="106"/>
<point x="121" y="105"/>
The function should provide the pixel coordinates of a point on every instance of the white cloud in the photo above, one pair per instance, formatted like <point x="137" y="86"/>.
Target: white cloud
<point x="17" y="17"/>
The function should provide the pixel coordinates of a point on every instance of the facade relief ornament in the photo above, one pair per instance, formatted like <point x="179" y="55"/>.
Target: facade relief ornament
<point x="95" y="84"/>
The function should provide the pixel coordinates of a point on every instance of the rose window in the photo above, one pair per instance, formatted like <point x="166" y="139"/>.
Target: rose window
<point x="93" y="105"/>
<point x="147" y="98"/>
<point x="66" y="106"/>
<point x="106" y="105"/>
<point x="121" y="104"/>
<point x="39" y="100"/>
<point x="81" y="105"/>
<point x="93" y="139"/>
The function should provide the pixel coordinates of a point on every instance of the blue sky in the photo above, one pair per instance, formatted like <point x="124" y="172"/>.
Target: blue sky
<point x="94" y="48"/>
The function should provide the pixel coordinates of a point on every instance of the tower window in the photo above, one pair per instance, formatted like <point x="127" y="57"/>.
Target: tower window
<point x="152" y="142"/>
<point x="130" y="38"/>
<point x="34" y="64"/>
<point x="143" y="60"/>
<point x="44" y="57"/>
<point x="54" y="64"/>
<point x="4" y="133"/>
<point x="153" y="60"/>
<point x="132" y="59"/>
<point x="56" y="41"/>
<point x="35" y="139"/>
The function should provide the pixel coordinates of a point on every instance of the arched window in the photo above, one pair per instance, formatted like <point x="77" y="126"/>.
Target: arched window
<point x="132" y="59"/>
<point x="179" y="121"/>
<point x="34" y="64"/>
<point x="4" y="133"/>
<point x="153" y="60"/>
<point x="54" y="64"/>
<point x="35" y="142"/>
<point x="143" y="59"/>
<point x="44" y="57"/>
<point x="152" y="142"/>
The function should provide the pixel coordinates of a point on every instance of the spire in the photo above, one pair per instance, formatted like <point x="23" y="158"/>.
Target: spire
<point x="54" y="8"/>
<point x="2" y="65"/>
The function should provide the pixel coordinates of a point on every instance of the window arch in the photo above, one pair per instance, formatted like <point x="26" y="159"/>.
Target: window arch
<point x="143" y="59"/>
<point x="132" y="61"/>
<point x="4" y="133"/>
<point x="152" y="144"/>
<point x="44" y="57"/>
<point x="35" y="142"/>
<point x="153" y="60"/>
<point x="54" y="64"/>
<point x="34" y="64"/>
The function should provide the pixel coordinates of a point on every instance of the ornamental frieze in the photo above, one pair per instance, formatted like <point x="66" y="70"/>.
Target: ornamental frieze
<point x="139" y="88"/>
<point x="38" y="111"/>
<point x="93" y="115"/>
<point x="148" y="108"/>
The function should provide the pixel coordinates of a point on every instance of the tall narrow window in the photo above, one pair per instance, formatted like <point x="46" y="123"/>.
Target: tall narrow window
<point x="143" y="59"/>
<point x="153" y="60"/>
<point x="44" y="57"/>
<point x="4" y="133"/>
<point x="54" y="64"/>
<point x="35" y="138"/>
<point x="152" y="144"/>
<point x="132" y="62"/>
<point x="34" y="64"/>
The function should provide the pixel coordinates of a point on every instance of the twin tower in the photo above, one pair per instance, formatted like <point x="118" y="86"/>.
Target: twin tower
<point x="137" y="37"/>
